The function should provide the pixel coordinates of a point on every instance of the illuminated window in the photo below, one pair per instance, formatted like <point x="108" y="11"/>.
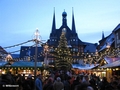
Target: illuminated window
<point x="73" y="39"/>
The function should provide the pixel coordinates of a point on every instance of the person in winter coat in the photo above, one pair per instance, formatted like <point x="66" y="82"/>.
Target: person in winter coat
<point x="58" y="85"/>
<point x="38" y="83"/>
<point x="49" y="84"/>
<point x="104" y="83"/>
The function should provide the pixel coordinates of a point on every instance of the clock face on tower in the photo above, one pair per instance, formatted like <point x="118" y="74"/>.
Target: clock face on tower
<point x="64" y="30"/>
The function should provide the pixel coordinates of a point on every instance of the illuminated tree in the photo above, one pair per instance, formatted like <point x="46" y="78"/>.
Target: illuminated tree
<point x="63" y="54"/>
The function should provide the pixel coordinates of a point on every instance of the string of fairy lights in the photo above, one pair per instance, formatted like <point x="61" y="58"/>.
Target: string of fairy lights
<point x="88" y="57"/>
<point x="2" y="49"/>
<point x="110" y="52"/>
<point x="17" y="44"/>
<point x="23" y="50"/>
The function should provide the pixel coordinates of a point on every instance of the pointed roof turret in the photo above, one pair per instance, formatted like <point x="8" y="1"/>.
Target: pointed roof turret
<point x="64" y="20"/>
<point x="103" y="35"/>
<point x="73" y="22"/>
<point x="53" y="24"/>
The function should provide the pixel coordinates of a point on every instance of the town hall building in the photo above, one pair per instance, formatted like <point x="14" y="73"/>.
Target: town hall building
<point x="78" y="48"/>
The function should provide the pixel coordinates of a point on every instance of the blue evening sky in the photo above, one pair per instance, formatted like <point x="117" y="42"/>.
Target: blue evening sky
<point x="20" y="18"/>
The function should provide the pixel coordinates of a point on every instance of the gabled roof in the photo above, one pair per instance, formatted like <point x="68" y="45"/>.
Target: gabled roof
<point x="90" y="47"/>
<point x="71" y="34"/>
<point x="116" y="28"/>
<point x="3" y="51"/>
<point x="109" y="40"/>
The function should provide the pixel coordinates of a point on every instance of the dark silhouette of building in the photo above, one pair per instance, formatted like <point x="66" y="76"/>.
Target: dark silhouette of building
<point x="77" y="46"/>
<point x="27" y="53"/>
<point x="3" y="53"/>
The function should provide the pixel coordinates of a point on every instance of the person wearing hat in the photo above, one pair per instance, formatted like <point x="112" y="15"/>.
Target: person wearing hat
<point x="58" y="85"/>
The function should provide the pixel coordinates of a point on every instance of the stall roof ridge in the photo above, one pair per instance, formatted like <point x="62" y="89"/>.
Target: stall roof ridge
<point x="116" y="28"/>
<point x="84" y="67"/>
<point x="113" y="64"/>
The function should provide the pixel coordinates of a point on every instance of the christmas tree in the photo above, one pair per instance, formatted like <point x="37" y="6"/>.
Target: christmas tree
<point x="63" y="54"/>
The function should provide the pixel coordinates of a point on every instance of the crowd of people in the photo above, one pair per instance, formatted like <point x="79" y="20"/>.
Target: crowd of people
<point x="58" y="80"/>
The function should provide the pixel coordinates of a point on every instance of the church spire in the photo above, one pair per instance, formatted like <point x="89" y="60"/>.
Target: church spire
<point x="73" y="22"/>
<point x="103" y="35"/>
<point x="54" y="24"/>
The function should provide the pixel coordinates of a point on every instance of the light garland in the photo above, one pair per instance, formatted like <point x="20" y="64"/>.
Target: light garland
<point x="17" y="44"/>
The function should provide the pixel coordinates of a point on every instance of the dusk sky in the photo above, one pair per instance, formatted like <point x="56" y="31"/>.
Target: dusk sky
<point x="20" y="18"/>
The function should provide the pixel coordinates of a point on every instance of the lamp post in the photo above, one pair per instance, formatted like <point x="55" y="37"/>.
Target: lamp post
<point x="36" y="40"/>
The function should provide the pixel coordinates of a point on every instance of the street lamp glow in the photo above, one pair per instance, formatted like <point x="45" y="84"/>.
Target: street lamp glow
<point x="37" y="32"/>
<point x="108" y="46"/>
<point x="36" y="39"/>
<point x="36" y="35"/>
